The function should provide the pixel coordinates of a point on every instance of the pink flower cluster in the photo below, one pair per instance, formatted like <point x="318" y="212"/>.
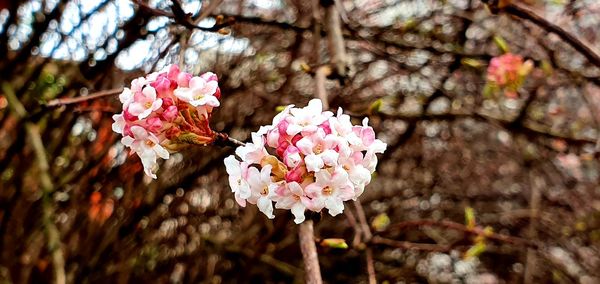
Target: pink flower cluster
<point x="308" y="159"/>
<point x="508" y="72"/>
<point x="164" y="111"/>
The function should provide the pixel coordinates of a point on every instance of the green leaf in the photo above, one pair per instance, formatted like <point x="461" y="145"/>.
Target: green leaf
<point x="471" y="62"/>
<point x="381" y="222"/>
<point x="470" y="218"/>
<point x="375" y="106"/>
<point x="475" y="250"/>
<point x="334" y="243"/>
<point x="501" y="43"/>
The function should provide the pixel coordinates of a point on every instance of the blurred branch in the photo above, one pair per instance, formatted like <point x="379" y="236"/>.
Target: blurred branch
<point x="180" y="17"/>
<point x="536" y="185"/>
<point x="67" y="101"/>
<point x="371" y="266"/>
<point x="52" y="233"/>
<point x="519" y="128"/>
<point x="526" y="13"/>
<point x="460" y="227"/>
<point x="377" y="240"/>
<point x="335" y="39"/>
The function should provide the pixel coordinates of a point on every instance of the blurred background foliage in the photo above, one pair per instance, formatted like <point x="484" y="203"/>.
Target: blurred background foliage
<point x="527" y="166"/>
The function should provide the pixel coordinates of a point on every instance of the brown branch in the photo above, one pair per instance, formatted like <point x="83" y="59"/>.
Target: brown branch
<point x="362" y="219"/>
<point x="536" y="185"/>
<point x="222" y="139"/>
<point x="320" y="90"/>
<point x="523" y="128"/>
<point x="67" y="101"/>
<point x="371" y="267"/>
<point x="377" y="240"/>
<point x="460" y="227"/>
<point x="335" y="38"/>
<point x="181" y="18"/>
<point x="309" y="252"/>
<point x="524" y="12"/>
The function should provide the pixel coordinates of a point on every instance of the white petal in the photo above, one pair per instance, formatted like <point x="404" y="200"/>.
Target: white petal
<point x="161" y="151"/>
<point x="149" y="92"/>
<point x="232" y="166"/>
<point x="127" y="141"/>
<point x="293" y="129"/>
<point x="305" y="145"/>
<point x="330" y="157"/>
<point x="266" y="206"/>
<point x="313" y="163"/>
<point x="334" y="205"/>
<point x="298" y="211"/>
<point x="139" y="133"/>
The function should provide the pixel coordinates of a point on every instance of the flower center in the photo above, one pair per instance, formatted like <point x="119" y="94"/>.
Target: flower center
<point x="318" y="149"/>
<point x="239" y="181"/>
<point x="327" y="190"/>
<point x="148" y="104"/>
<point x="198" y="97"/>
<point x="149" y="143"/>
<point x="265" y="190"/>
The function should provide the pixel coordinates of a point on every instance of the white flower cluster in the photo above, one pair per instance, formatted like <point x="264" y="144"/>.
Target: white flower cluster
<point x="308" y="159"/>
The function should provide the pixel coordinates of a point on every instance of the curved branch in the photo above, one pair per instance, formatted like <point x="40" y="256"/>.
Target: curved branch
<point x="578" y="44"/>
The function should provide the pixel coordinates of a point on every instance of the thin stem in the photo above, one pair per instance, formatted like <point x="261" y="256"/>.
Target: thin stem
<point x="580" y="45"/>
<point x="309" y="252"/>
<point x="93" y="96"/>
<point x="371" y="267"/>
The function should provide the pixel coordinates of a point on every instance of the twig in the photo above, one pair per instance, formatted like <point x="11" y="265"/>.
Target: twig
<point x="181" y="18"/>
<point x="93" y="96"/>
<point x="357" y="231"/>
<point x="222" y="139"/>
<point x="362" y="218"/>
<point x="309" y="252"/>
<point x="408" y="245"/>
<point x="460" y="227"/>
<point x="335" y="39"/>
<point x="536" y="185"/>
<point x="320" y="77"/>
<point x="371" y="266"/>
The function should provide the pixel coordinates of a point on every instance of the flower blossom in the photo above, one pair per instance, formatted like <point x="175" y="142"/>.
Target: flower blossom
<point x="164" y="112"/>
<point x="308" y="159"/>
<point x="507" y="72"/>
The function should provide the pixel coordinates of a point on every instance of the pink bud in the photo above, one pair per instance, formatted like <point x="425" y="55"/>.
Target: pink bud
<point x="296" y="138"/>
<point x="282" y="146"/>
<point x="366" y="134"/>
<point x="326" y="127"/>
<point x="170" y="113"/>
<point x="217" y="93"/>
<point x="295" y="174"/>
<point x="128" y="116"/>
<point x="209" y="76"/>
<point x="291" y="156"/>
<point x="273" y="138"/>
<point x="183" y="79"/>
<point x="282" y="126"/>
<point x="162" y="86"/>
<point x="153" y="124"/>
<point x="167" y="102"/>
<point x="173" y="72"/>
